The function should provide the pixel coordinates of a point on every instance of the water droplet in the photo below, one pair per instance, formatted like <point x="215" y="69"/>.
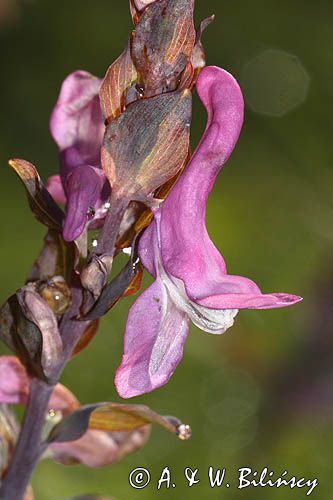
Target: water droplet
<point x="56" y="294"/>
<point x="140" y="90"/>
<point x="90" y="213"/>
<point x="107" y="205"/>
<point x="184" y="432"/>
<point x="94" y="243"/>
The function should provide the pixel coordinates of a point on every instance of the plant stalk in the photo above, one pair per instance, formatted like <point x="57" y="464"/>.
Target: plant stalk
<point x="108" y="237"/>
<point x="29" y="447"/>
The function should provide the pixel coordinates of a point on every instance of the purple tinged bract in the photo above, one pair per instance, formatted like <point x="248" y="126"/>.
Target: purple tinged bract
<point x="191" y="276"/>
<point x="77" y="127"/>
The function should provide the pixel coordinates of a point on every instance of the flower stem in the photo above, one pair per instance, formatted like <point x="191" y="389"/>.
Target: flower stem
<point x="95" y="274"/>
<point x="29" y="447"/>
<point x="108" y="237"/>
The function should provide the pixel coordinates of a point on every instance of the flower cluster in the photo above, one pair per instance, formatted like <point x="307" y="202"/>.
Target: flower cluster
<point x="127" y="173"/>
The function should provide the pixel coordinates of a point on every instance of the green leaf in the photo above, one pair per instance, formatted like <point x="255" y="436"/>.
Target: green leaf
<point x="118" y="417"/>
<point x="119" y="77"/>
<point x="113" y="417"/>
<point x="147" y="144"/>
<point x="73" y="426"/>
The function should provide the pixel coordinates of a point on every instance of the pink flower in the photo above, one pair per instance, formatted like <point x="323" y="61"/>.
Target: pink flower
<point x="191" y="276"/>
<point x="77" y="127"/>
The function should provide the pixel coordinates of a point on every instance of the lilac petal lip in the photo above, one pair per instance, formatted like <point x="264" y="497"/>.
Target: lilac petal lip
<point x="249" y="301"/>
<point x="153" y="345"/>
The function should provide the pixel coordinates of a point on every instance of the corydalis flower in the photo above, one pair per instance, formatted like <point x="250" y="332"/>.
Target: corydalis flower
<point x="77" y="127"/>
<point x="191" y="276"/>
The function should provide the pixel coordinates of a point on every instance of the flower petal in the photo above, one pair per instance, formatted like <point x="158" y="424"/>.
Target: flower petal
<point x="56" y="189"/>
<point x="148" y="246"/>
<point x="94" y="449"/>
<point x="211" y="320"/>
<point x="241" y="293"/>
<point x="63" y="400"/>
<point x="14" y="381"/>
<point x="187" y="251"/>
<point x="155" y="335"/>
<point x="83" y="187"/>
<point x="14" y="387"/>
<point x="76" y="121"/>
<point x="98" y="448"/>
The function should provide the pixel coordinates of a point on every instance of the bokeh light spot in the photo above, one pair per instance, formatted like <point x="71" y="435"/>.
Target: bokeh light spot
<point x="274" y="82"/>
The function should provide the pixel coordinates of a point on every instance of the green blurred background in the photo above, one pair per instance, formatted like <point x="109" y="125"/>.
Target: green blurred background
<point x="260" y="395"/>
